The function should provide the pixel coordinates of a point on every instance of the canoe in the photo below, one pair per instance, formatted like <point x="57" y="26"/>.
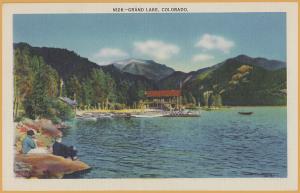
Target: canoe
<point x="182" y="115"/>
<point x="246" y="113"/>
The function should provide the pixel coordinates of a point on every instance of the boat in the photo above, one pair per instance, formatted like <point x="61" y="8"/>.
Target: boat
<point x="246" y="113"/>
<point x="121" y="115"/>
<point x="104" y="115"/>
<point x="90" y="118"/>
<point x="182" y="114"/>
<point x="86" y="117"/>
<point x="147" y="116"/>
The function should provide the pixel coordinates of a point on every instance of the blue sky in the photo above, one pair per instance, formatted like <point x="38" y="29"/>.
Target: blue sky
<point x="185" y="42"/>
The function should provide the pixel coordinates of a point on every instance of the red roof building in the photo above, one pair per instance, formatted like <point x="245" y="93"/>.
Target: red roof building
<point x="163" y="93"/>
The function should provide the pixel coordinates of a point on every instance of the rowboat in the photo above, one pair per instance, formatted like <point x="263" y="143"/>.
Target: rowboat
<point x="246" y="113"/>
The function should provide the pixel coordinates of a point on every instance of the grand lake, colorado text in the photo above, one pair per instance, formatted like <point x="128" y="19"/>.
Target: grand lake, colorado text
<point x="149" y="10"/>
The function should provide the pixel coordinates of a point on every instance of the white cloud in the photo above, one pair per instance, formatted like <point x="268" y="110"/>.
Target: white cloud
<point x="214" y="42"/>
<point x="202" y="57"/>
<point x="158" y="50"/>
<point x="107" y="55"/>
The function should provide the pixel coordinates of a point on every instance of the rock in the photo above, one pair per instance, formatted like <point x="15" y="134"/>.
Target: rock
<point x="244" y="69"/>
<point x="22" y="169"/>
<point x="49" y="166"/>
<point x="48" y="128"/>
<point x="44" y="165"/>
<point x="45" y="132"/>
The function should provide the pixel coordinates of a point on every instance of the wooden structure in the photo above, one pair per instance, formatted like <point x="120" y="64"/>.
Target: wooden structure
<point x="72" y="103"/>
<point x="69" y="101"/>
<point x="163" y="99"/>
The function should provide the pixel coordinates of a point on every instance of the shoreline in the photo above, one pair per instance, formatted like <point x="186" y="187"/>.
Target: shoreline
<point x="122" y="111"/>
<point x="42" y="164"/>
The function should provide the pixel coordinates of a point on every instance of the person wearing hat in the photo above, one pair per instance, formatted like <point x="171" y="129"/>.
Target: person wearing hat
<point x="28" y="143"/>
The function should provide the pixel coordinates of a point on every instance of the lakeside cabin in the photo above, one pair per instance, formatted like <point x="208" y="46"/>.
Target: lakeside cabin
<point x="163" y="99"/>
<point x="70" y="102"/>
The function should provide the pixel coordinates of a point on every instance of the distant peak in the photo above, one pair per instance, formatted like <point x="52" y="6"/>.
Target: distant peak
<point x="243" y="56"/>
<point x="133" y="60"/>
<point x="127" y="61"/>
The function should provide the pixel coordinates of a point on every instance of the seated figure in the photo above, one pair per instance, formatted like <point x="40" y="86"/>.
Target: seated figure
<point x="28" y="142"/>
<point x="63" y="150"/>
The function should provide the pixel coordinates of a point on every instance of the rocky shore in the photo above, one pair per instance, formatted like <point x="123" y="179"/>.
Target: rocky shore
<point x="43" y="164"/>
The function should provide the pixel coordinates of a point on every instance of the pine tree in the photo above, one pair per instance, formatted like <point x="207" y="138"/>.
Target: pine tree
<point x="44" y="88"/>
<point x="74" y="89"/>
<point x="23" y="78"/>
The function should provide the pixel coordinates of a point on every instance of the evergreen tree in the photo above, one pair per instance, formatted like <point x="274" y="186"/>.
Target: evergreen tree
<point x="111" y="95"/>
<point x="23" y="78"/>
<point x="74" y="89"/>
<point x="98" y="84"/>
<point x="36" y="104"/>
<point x="44" y="88"/>
<point x="87" y="92"/>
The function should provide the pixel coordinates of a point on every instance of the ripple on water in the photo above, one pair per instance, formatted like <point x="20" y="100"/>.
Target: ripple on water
<point x="218" y="144"/>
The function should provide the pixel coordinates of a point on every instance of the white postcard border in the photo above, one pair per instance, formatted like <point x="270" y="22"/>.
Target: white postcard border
<point x="11" y="183"/>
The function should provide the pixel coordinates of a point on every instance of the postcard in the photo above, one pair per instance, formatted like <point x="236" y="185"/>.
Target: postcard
<point x="147" y="96"/>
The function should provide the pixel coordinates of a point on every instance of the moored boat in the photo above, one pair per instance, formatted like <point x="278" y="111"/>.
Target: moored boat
<point x="146" y="115"/>
<point x="245" y="113"/>
<point x="182" y="114"/>
<point x="121" y="115"/>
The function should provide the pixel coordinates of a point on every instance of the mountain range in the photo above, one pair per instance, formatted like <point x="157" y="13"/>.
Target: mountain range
<point x="270" y="65"/>
<point x="148" y="68"/>
<point x="240" y="80"/>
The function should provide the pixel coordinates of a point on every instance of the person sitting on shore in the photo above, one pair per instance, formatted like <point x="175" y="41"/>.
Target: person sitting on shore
<point x="28" y="143"/>
<point x="63" y="150"/>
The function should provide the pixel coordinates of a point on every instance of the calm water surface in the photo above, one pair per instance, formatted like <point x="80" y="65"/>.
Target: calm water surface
<point x="217" y="144"/>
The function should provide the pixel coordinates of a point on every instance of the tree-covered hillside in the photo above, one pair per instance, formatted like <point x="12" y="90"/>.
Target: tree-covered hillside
<point x="43" y="74"/>
<point x="237" y="82"/>
<point x="76" y="73"/>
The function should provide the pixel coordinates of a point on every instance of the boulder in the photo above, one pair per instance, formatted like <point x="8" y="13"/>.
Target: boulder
<point x="22" y="169"/>
<point x="48" y="165"/>
<point x="48" y="128"/>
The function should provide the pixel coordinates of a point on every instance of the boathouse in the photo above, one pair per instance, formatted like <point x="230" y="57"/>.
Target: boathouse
<point x="163" y="99"/>
<point x="68" y="101"/>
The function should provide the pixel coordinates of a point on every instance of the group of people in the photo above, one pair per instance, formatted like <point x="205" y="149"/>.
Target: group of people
<point x="29" y="146"/>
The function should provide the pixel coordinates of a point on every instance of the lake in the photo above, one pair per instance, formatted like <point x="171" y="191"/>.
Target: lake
<point x="219" y="144"/>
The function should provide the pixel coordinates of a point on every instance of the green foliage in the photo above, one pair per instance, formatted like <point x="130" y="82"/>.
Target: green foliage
<point x="38" y="71"/>
<point x="99" y="90"/>
<point x="204" y="75"/>
<point x="51" y="79"/>
<point x="62" y="110"/>
<point x="36" y="88"/>
<point x="98" y="85"/>
<point x="87" y="92"/>
<point x="74" y="88"/>
<point x="123" y="95"/>
<point x="23" y="78"/>
<point x="135" y="93"/>
<point x="235" y="83"/>
<point x="23" y="73"/>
